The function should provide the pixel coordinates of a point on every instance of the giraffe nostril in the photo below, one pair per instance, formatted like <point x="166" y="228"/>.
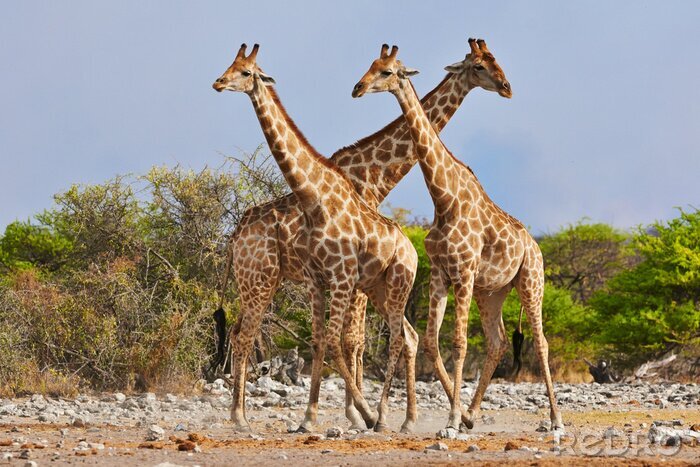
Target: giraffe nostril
<point x="359" y="86"/>
<point x="506" y="85"/>
<point x="220" y="80"/>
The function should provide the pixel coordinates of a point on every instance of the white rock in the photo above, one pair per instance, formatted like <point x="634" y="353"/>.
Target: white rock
<point x="155" y="433"/>
<point x="439" y="446"/>
<point x="447" y="433"/>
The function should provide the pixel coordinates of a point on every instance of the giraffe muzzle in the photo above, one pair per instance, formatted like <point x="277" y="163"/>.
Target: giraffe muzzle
<point x="358" y="90"/>
<point x="219" y="85"/>
<point x="506" y="90"/>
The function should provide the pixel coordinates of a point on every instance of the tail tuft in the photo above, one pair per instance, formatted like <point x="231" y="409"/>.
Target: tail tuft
<point x="220" y="318"/>
<point x="518" y="339"/>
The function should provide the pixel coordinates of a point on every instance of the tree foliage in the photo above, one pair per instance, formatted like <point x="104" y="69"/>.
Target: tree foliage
<point x="582" y="257"/>
<point x="656" y="304"/>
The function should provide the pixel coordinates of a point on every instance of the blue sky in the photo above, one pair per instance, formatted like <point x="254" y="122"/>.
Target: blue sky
<point x="604" y="121"/>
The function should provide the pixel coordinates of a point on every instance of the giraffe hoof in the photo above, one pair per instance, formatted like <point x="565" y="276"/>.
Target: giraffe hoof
<point x="408" y="427"/>
<point x="302" y="429"/>
<point x="466" y="425"/>
<point x="242" y="428"/>
<point x="371" y="421"/>
<point x="381" y="427"/>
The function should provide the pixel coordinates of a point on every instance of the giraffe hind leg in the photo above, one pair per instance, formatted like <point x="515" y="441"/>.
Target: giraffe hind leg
<point x="254" y="302"/>
<point x="530" y="287"/>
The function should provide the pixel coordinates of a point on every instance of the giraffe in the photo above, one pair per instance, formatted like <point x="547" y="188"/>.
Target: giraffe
<point x="261" y="249"/>
<point x="343" y="243"/>
<point x="472" y="245"/>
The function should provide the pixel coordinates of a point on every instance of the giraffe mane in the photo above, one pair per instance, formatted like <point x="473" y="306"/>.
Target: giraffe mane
<point x="302" y="139"/>
<point x="388" y="128"/>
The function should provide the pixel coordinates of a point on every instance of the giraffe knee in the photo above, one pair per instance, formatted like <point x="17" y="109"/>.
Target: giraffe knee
<point x="431" y="348"/>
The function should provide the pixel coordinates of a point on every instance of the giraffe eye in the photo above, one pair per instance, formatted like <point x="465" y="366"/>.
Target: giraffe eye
<point x="387" y="73"/>
<point x="479" y="67"/>
<point x="245" y="73"/>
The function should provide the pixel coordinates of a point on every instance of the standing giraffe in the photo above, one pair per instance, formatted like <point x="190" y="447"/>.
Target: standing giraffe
<point x="343" y="245"/>
<point x="473" y="244"/>
<point x="261" y="251"/>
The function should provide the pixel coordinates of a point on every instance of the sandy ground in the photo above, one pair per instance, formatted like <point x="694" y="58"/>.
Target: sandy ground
<point x="511" y="437"/>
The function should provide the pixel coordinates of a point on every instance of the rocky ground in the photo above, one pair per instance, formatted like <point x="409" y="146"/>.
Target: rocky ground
<point x="637" y="424"/>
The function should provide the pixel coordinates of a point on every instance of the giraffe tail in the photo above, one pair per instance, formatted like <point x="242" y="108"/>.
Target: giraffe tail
<point x="220" y="319"/>
<point x="518" y="339"/>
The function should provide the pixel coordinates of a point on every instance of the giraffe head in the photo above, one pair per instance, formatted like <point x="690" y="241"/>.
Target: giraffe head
<point x="385" y="74"/>
<point x="242" y="73"/>
<point x="479" y="69"/>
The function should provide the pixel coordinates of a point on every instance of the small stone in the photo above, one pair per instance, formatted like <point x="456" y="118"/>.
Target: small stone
<point x="98" y="446"/>
<point x="25" y="454"/>
<point x="7" y="456"/>
<point x="119" y="397"/>
<point x="611" y="433"/>
<point x="447" y="433"/>
<point x="180" y="427"/>
<point x="439" y="446"/>
<point x="326" y="451"/>
<point x="510" y="446"/>
<point x="82" y="446"/>
<point x="473" y="448"/>
<point x="30" y="464"/>
<point x="487" y="420"/>
<point x="334" y="432"/>
<point x="544" y="426"/>
<point x="64" y="432"/>
<point x="155" y="433"/>
<point x="79" y="422"/>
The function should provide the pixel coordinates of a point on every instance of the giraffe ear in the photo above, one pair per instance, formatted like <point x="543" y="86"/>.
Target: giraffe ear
<point x="455" y="67"/>
<point x="406" y="72"/>
<point x="267" y="79"/>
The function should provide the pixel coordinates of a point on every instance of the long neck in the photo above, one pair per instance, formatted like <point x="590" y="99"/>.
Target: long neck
<point x="377" y="163"/>
<point x="444" y="175"/>
<point x="303" y="168"/>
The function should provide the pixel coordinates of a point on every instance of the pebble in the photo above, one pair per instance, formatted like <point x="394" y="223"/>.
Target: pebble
<point x="447" y="433"/>
<point x="439" y="446"/>
<point x="155" y="433"/>
<point x="334" y="432"/>
<point x="181" y="413"/>
<point x="473" y="448"/>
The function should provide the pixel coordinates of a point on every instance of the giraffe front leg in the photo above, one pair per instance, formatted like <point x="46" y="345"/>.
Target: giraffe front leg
<point x="318" y="349"/>
<point x="463" y="296"/>
<point x="438" y="303"/>
<point x="353" y="347"/>
<point x="490" y="308"/>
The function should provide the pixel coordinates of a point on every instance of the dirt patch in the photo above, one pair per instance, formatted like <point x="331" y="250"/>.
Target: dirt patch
<point x="509" y="437"/>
